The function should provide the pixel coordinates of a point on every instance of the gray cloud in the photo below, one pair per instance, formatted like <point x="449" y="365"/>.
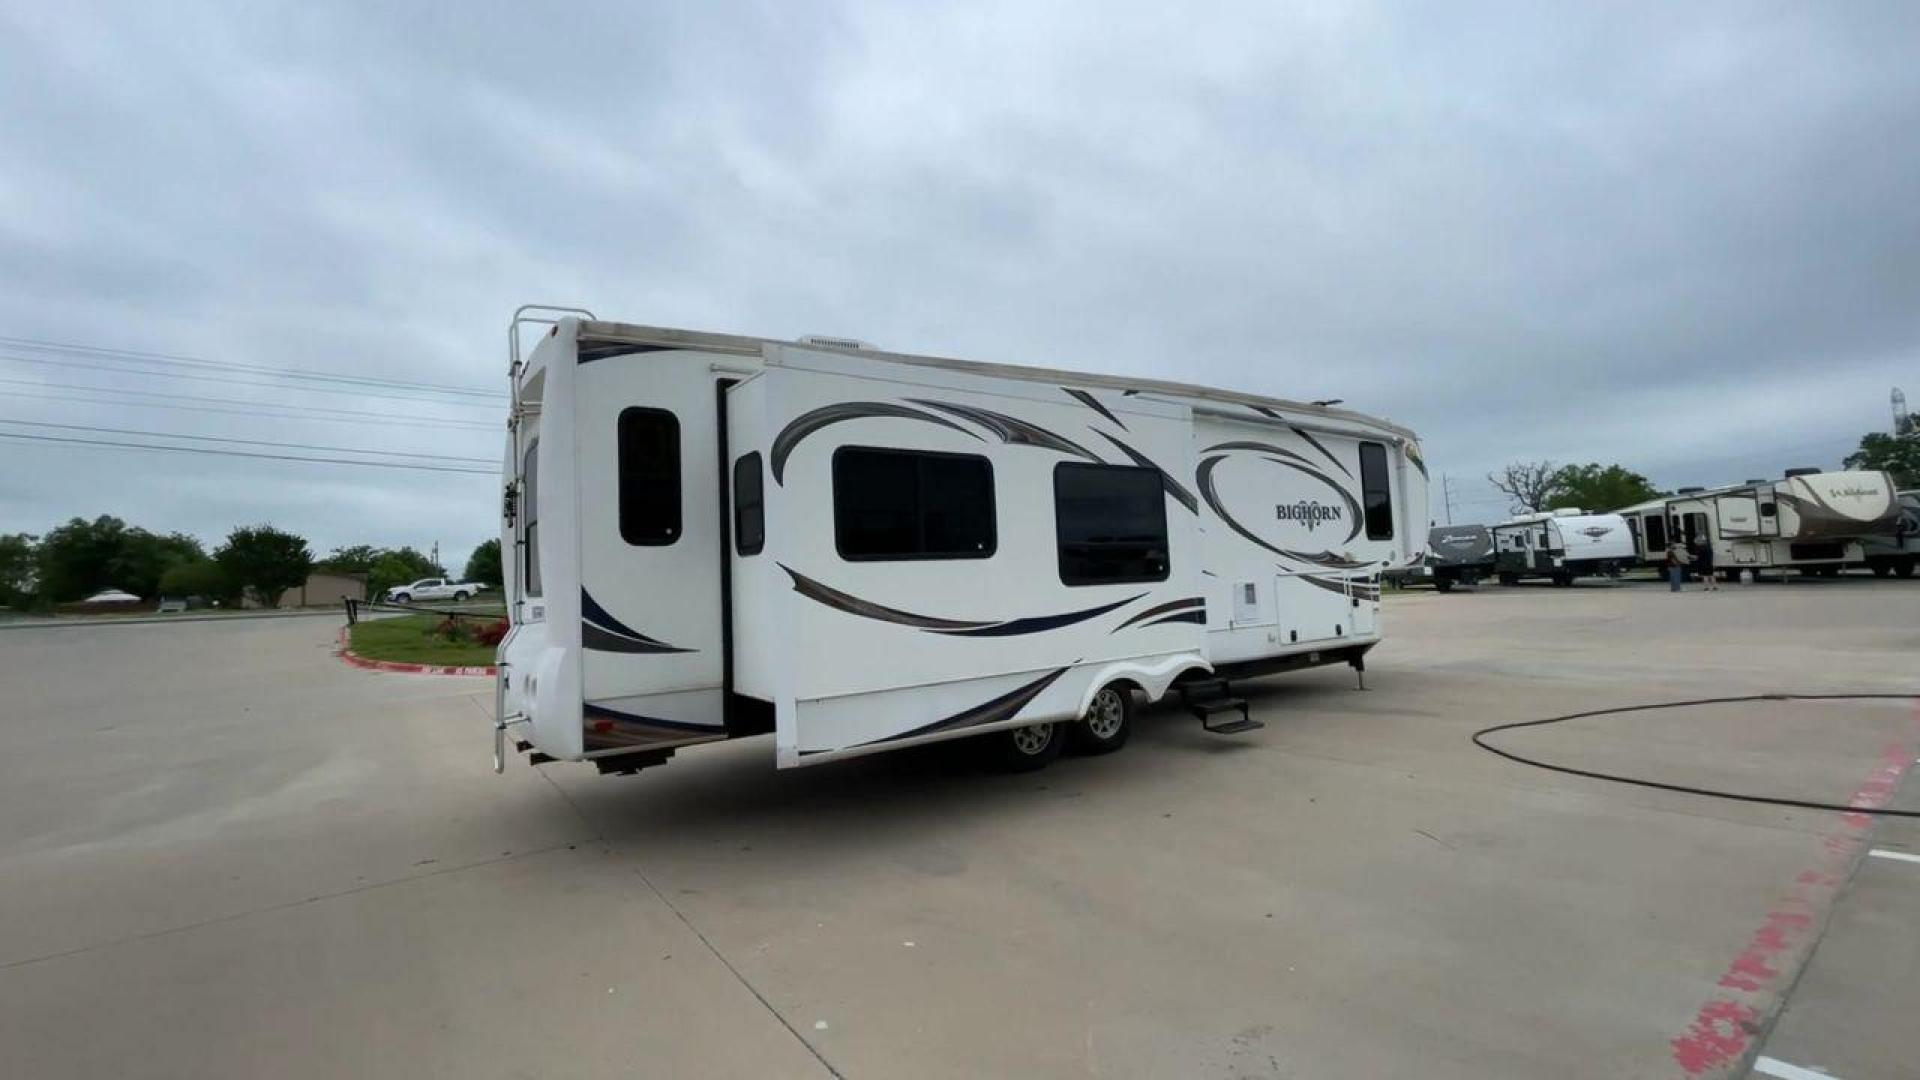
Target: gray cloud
<point x="1680" y="239"/>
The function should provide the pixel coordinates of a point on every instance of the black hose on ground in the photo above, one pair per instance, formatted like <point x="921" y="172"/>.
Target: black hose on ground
<point x="1479" y="739"/>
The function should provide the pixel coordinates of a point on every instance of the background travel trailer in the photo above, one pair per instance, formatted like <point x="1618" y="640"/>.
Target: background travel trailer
<point x="1810" y="520"/>
<point x="716" y="536"/>
<point x="1459" y="555"/>
<point x="1561" y="545"/>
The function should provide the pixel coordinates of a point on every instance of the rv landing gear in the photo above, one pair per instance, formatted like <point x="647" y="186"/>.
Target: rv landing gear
<point x="1359" y="666"/>
<point x="1027" y="749"/>
<point x="1108" y="722"/>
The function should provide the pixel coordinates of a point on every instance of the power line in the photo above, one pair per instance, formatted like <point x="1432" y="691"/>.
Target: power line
<point x="253" y="407"/>
<point x="41" y="344"/>
<point x="246" y="454"/>
<point x="69" y="365"/>
<point x="242" y="442"/>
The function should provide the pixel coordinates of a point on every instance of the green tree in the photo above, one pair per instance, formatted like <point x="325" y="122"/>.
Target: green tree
<point x="19" y="574"/>
<point x="144" y="558"/>
<point x="384" y="567"/>
<point x="197" y="577"/>
<point x="483" y="565"/>
<point x="1898" y="454"/>
<point x="265" y="562"/>
<point x="1598" y="487"/>
<point x="76" y="560"/>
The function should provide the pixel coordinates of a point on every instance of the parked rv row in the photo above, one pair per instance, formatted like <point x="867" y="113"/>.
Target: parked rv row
<point x="1808" y="522"/>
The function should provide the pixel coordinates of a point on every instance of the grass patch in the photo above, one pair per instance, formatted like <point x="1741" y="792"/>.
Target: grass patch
<point x="409" y="639"/>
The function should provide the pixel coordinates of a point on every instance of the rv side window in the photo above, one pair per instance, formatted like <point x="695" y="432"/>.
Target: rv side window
<point x="1111" y="522"/>
<point x="530" y="514"/>
<point x="1376" y="493"/>
<point x="1767" y="509"/>
<point x="649" y="477"/>
<point x="749" y="506"/>
<point x="912" y="504"/>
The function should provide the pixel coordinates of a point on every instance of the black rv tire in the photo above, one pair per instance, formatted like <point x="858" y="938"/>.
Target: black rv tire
<point x="1881" y="569"/>
<point x="1019" y="750"/>
<point x="1509" y="579"/>
<point x="1107" y="724"/>
<point x="1563" y="579"/>
<point x="1904" y="568"/>
<point x="1443" y="584"/>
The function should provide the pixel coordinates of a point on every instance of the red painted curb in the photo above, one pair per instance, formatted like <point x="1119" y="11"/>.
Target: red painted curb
<point x="1754" y="986"/>
<point x="350" y="657"/>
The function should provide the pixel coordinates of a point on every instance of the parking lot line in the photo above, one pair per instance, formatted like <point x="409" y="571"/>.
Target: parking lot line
<point x="1901" y="856"/>
<point x="1775" y="1067"/>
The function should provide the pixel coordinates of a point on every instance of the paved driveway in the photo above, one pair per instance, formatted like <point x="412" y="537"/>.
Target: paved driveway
<point x="223" y="853"/>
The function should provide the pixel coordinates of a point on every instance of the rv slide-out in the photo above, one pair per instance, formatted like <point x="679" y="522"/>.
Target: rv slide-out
<point x="714" y="536"/>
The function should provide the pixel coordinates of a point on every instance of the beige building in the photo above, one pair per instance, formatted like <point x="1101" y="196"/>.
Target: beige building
<point x="324" y="588"/>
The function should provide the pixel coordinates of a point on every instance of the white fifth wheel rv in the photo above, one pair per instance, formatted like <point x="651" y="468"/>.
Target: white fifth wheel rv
<point x="712" y="536"/>
<point x="1561" y="545"/>
<point x="1812" y="521"/>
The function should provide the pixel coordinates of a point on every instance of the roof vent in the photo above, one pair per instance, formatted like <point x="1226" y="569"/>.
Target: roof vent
<point x="1756" y="480"/>
<point x="828" y="342"/>
<point x="1804" y="470"/>
<point x="1568" y="511"/>
<point x="1688" y="490"/>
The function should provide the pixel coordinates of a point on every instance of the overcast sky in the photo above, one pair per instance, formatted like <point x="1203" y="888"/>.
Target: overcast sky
<point x="1681" y="237"/>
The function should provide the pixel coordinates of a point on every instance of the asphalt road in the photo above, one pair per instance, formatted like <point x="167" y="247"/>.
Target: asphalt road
<point x="225" y="854"/>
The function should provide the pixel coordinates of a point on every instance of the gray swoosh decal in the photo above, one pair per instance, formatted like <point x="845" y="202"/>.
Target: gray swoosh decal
<point x="867" y="609"/>
<point x="1174" y="488"/>
<point x="600" y="631"/>
<point x="1035" y="623"/>
<point x="809" y="422"/>
<point x="1292" y="461"/>
<point x="1198" y="602"/>
<point x="599" y="640"/>
<point x="1093" y="403"/>
<point x="1013" y="430"/>
<point x="1198" y="617"/>
<point x="1315" y="443"/>
<point x="853" y="605"/>
<point x="993" y="711"/>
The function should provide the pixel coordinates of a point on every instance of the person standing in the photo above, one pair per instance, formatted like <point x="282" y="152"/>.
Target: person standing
<point x="1677" y="559"/>
<point x="1703" y="562"/>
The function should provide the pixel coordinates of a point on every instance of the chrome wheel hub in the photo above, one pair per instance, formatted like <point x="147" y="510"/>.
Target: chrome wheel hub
<point x="1105" y="714"/>
<point x="1032" y="740"/>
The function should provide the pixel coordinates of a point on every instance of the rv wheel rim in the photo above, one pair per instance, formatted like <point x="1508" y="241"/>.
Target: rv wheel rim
<point x="1105" y="714"/>
<point x="1032" y="740"/>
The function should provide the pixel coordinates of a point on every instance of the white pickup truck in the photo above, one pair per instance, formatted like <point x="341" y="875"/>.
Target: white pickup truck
<point x="433" y="588"/>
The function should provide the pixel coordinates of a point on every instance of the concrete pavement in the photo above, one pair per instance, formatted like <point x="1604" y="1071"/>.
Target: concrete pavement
<point x="223" y="853"/>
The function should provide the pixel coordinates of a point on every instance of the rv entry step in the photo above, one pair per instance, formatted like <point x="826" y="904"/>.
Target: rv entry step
<point x="1209" y="698"/>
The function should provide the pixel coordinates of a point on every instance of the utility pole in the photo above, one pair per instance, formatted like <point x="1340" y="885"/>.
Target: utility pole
<point x="1446" y="490"/>
<point x="436" y="553"/>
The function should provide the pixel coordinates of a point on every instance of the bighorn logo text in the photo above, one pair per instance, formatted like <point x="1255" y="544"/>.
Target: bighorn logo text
<point x="1307" y="512"/>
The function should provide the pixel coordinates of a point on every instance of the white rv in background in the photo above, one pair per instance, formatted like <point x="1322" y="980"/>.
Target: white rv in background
<point x="712" y="536"/>
<point x="1811" y="521"/>
<point x="1561" y="545"/>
